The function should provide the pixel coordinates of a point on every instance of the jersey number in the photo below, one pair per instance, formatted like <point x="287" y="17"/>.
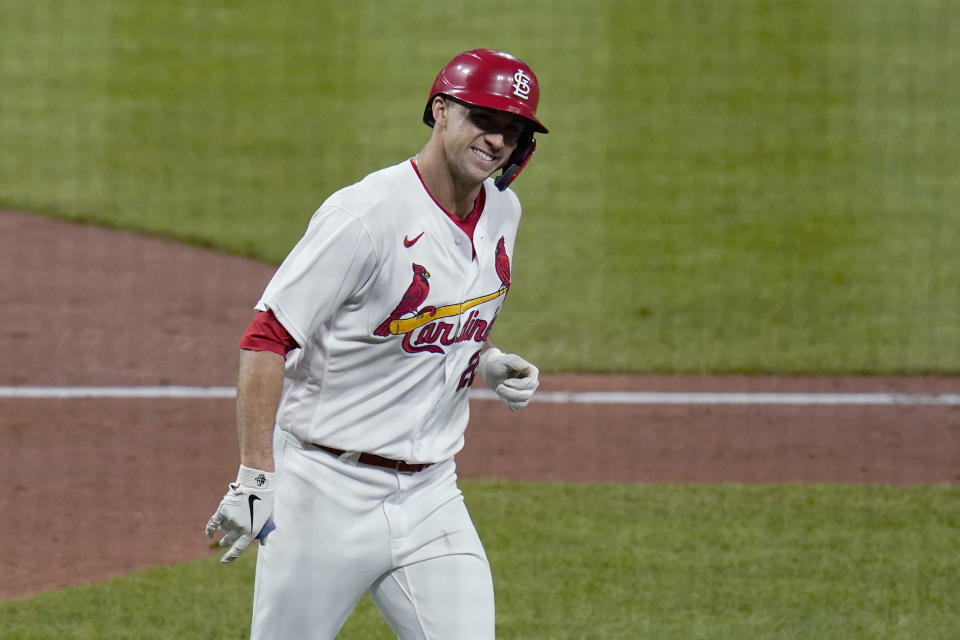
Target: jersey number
<point x="466" y="378"/>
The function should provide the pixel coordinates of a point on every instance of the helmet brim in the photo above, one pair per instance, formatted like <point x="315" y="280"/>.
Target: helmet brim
<point x="498" y="103"/>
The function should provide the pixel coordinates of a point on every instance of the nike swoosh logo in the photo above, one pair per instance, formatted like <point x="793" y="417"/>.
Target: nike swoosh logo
<point x="409" y="243"/>
<point x="251" y="500"/>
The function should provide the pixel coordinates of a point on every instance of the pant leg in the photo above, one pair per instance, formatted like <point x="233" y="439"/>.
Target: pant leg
<point x="440" y="587"/>
<point x="331" y="543"/>
<point x="438" y="599"/>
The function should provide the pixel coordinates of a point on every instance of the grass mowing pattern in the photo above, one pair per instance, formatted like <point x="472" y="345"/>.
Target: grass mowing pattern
<point x="745" y="186"/>
<point x="618" y="561"/>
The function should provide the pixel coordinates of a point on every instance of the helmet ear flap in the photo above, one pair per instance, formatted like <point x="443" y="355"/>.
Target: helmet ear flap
<point x="518" y="160"/>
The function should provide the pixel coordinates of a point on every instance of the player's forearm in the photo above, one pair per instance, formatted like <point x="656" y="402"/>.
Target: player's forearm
<point x="259" y="386"/>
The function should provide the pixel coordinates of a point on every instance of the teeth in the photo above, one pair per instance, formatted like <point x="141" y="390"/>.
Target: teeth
<point x="482" y="154"/>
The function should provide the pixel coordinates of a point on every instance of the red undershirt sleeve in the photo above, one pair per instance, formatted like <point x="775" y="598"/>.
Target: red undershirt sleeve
<point x="265" y="333"/>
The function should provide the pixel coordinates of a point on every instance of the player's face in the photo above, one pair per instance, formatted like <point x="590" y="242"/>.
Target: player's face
<point x="478" y="141"/>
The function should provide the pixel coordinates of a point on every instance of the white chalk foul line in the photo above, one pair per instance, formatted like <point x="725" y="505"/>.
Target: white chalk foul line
<point x="741" y="398"/>
<point x="557" y="397"/>
<point x="141" y="393"/>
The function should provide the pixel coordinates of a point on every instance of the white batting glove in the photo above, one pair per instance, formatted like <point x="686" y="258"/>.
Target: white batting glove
<point x="245" y="512"/>
<point x="513" y="379"/>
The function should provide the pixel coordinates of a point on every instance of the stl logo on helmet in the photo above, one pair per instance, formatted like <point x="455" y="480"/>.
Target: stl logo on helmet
<point x="521" y="84"/>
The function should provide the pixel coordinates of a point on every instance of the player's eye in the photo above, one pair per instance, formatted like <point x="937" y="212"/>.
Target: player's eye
<point x="512" y="132"/>
<point x="481" y="120"/>
<point x="510" y="129"/>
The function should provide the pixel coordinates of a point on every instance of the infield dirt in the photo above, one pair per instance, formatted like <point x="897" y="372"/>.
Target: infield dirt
<point x="86" y="306"/>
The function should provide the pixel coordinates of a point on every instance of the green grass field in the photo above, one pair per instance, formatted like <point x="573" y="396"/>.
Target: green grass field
<point x="745" y="186"/>
<point x="617" y="562"/>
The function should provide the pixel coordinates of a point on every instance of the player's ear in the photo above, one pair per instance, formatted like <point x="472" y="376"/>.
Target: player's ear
<point x="440" y="109"/>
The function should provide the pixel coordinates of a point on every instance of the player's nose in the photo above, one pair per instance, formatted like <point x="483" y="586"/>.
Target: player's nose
<point x="495" y="139"/>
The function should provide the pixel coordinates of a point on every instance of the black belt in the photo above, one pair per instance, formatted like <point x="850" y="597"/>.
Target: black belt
<point x="374" y="460"/>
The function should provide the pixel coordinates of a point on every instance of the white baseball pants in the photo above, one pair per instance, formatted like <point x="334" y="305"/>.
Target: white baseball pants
<point x="345" y="529"/>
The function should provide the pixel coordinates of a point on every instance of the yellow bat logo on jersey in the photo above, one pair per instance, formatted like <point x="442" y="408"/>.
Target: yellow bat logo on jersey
<point x="398" y="322"/>
<point x="432" y="332"/>
<point x="409" y="324"/>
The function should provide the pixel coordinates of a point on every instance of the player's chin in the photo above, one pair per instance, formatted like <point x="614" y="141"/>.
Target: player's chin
<point x="475" y="175"/>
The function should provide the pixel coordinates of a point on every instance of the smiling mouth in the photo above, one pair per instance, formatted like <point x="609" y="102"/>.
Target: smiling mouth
<point x="480" y="154"/>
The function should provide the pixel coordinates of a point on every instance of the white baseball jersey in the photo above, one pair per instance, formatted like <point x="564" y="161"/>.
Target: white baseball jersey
<point x="390" y="307"/>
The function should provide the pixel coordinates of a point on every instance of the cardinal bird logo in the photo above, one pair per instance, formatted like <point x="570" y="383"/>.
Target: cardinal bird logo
<point x="411" y="301"/>
<point x="503" y="264"/>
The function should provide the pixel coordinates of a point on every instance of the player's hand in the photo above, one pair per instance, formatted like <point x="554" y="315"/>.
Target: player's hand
<point x="512" y="378"/>
<point x="245" y="512"/>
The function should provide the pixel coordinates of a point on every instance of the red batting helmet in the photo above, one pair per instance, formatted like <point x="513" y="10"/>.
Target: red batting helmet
<point x="495" y="80"/>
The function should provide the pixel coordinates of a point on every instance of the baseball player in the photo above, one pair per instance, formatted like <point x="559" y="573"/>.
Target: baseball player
<point x="355" y="374"/>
